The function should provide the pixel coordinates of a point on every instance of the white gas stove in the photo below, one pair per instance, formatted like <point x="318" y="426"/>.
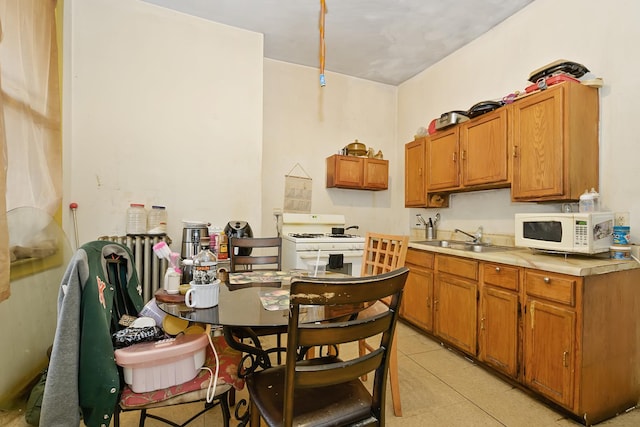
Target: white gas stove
<point x="304" y="235"/>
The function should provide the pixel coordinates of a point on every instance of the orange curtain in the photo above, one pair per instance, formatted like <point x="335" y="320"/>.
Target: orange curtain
<point x="30" y="109"/>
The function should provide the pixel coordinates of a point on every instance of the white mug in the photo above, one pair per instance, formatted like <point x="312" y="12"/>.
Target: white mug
<point x="202" y="295"/>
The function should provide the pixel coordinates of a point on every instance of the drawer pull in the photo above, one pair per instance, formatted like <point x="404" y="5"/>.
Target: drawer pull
<point x="564" y="359"/>
<point x="546" y="280"/>
<point x="497" y="269"/>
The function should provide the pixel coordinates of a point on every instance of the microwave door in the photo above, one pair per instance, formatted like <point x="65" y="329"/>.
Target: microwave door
<point x="545" y="231"/>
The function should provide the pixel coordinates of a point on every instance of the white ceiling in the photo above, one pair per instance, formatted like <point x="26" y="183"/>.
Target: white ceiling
<point x="387" y="41"/>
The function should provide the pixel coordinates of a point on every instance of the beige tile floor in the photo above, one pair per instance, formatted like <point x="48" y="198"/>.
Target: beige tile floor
<point x="438" y="387"/>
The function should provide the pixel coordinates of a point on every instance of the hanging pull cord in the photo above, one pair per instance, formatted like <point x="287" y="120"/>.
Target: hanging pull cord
<point x="323" y="11"/>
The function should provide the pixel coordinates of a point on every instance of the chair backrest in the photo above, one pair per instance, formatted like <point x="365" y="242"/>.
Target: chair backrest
<point x="383" y="253"/>
<point x="331" y="370"/>
<point x="269" y="253"/>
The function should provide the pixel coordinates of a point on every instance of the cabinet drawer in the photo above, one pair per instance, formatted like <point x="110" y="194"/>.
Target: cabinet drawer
<point x="420" y="258"/>
<point x="458" y="266"/>
<point x="501" y="275"/>
<point x="551" y="286"/>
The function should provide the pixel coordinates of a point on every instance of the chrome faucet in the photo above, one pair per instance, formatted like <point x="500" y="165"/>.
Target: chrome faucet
<point x="477" y="237"/>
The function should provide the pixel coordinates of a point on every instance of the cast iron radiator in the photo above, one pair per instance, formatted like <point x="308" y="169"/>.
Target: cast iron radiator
<point x="150" y="268"/>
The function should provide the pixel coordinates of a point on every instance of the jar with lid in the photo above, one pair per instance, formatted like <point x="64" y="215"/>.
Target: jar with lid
<point x="204" y="264"/>
<point x="157" y="220"/>
<point x="136" y="219"/>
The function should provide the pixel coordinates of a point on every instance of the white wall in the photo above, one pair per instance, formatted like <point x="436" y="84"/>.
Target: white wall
<point x="595" y="34"/>
<point x="160" y="108"/>
<point x="305" y="123"/>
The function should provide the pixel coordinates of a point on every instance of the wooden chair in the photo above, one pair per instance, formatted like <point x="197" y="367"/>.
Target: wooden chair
<point x="270" y="255"/>
<point x="383" y="253"/>
<point x="272" y="245"/>
<point x="327" y="390"/>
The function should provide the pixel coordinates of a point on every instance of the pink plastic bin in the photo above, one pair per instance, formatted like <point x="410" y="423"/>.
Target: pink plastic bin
<point x="156" y="365"/>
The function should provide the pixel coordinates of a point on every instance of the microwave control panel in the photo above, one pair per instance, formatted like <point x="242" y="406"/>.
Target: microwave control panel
<point x="581" y="233"/>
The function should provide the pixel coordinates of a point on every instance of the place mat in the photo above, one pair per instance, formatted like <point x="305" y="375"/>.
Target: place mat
<point x="277" y="299"/>
<point x="259" y="277"/>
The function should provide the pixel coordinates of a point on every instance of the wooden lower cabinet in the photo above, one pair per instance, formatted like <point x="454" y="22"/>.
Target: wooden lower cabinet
<point x="498" y="329"/>
<point x="417" y="301"/>
<point x="573" y="340"/>
<point x="455" y="302"/>
<point x="549" y="335"/>
<point x="581" y="343"/>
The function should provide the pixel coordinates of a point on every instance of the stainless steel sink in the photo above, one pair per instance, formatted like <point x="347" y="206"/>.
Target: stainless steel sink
<point x="465" y="246"/>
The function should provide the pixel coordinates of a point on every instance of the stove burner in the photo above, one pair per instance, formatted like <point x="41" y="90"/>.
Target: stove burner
<point x="306" y="235"/>
<point x="341" y="235"/>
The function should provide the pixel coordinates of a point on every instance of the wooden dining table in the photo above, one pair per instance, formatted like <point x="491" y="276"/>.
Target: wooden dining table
<point x="250" y="305"/>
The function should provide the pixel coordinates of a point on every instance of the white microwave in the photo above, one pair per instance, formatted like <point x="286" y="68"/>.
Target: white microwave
<point x="581" y="233"/>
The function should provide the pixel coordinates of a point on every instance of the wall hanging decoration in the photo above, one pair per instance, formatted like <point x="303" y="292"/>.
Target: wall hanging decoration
<point x="297" y="191"/>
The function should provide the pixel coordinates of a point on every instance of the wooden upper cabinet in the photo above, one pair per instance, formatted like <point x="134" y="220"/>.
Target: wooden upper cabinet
<point x="415" y="193"/>
<point x="555" y="144"/>
<point x="443" y="166"/>
<point x="484" y="150"/>
<point x="376" y="174"/>
<point x="357" y="173"/>
<point x="473" y="155"/>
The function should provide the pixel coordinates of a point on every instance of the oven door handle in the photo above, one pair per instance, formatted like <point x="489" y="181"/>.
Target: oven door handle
<point x="323" y="254"/>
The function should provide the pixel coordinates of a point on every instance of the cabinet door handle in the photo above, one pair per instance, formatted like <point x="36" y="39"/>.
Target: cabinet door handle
<point x="546" y="280"/>
<point x="515" y="151"/>
<point x="419" y="171"/>
<point x="565" y="359"/>
<point x="454" y="157"/>
<point x="435" y="304"/>
<point x="463" y="155"/>
<point x="482" y="323"/>
<point x="428" y="302"/>
<point x="497" y="269"/>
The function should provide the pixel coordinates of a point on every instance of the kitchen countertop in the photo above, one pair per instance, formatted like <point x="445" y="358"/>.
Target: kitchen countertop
<point x="575" y="265"/>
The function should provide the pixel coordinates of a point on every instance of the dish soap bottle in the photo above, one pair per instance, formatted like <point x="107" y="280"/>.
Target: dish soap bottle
<point x="204" y="264"/>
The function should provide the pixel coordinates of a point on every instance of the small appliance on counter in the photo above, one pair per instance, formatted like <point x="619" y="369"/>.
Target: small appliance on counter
<point x="192" y="232"/>
<point x="585" y="233"/>
<point x="239" y="229"/>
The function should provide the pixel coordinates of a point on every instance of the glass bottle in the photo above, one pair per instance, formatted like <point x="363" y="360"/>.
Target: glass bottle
<point x="204" y="264"/>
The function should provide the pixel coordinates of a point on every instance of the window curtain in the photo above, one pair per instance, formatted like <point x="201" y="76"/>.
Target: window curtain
<point x="31" y="173"/>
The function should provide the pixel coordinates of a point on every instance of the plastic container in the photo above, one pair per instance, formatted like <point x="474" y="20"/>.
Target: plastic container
<point x="317" y="268"/>
<point x="157" y="220"/>
<point x="589" y="201"/>
<point x="620" y="252"/>
<point x="621" y="235"/>
<point x="586" y="202"/>
<point x="156" y="365"/>
<point x="136" y="219"/>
